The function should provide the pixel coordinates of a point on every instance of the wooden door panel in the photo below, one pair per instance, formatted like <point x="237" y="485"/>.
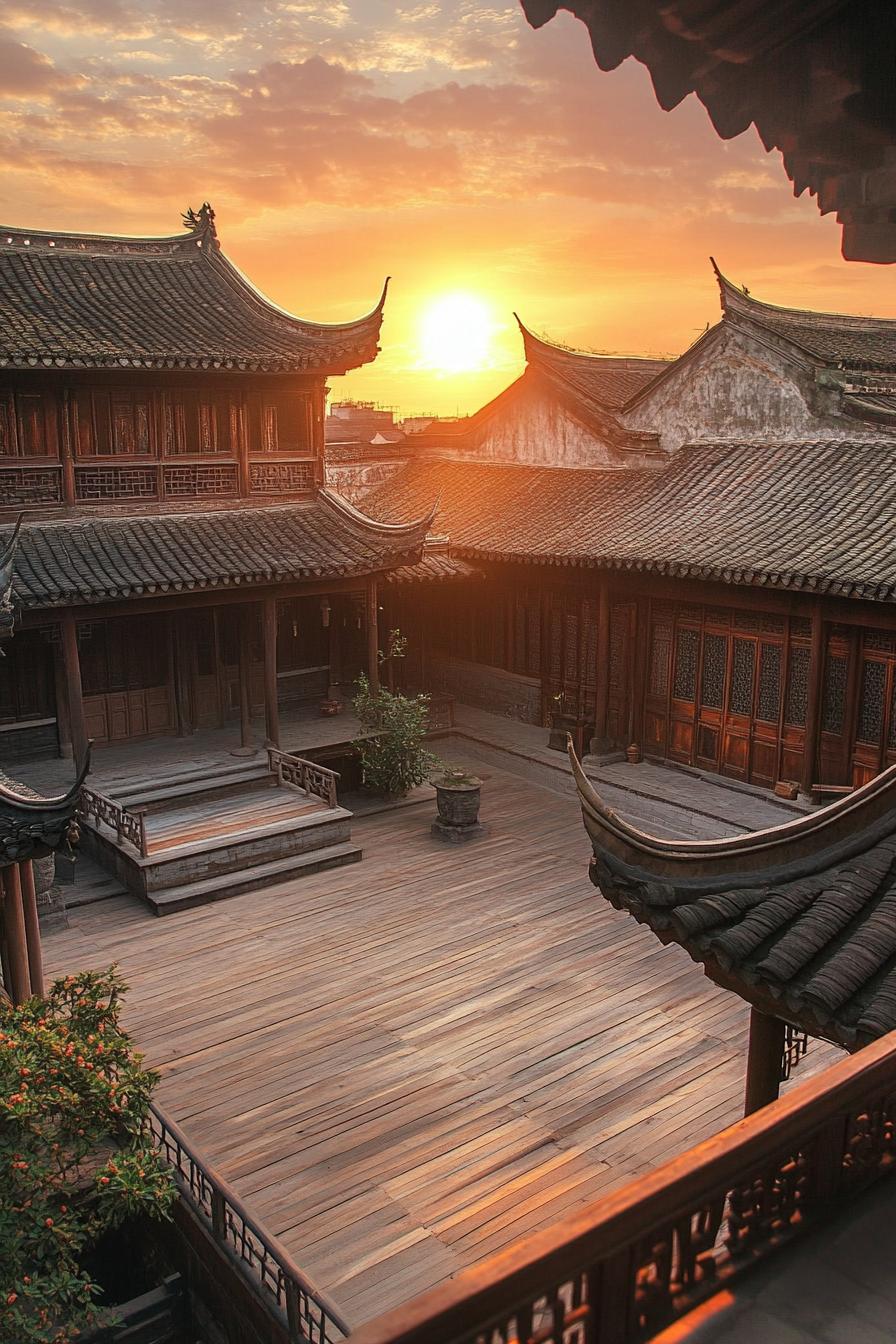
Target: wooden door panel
<point x="95" y="718"/>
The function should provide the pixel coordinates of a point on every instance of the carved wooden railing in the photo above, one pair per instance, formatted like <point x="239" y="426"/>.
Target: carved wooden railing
<point x="629" y="1265"/>
<point x="297" y="773"/>
<point x="127" y="825"/>
<point x="306" y="1312"/>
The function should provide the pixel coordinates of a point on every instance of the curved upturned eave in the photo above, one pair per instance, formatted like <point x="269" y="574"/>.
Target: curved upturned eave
<point x="805" y="845"/>
<point x="418" y="527"/>
<point x="11" y="798"/>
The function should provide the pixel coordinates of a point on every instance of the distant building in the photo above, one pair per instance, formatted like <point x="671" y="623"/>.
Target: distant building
<point x="162" y="430"/>
<point x="695" y="556"/>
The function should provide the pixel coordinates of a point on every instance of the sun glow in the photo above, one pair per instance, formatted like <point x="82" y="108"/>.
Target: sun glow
<point x="456" y="334"/>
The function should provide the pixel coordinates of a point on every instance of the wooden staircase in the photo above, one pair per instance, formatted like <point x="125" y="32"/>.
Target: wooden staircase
<point x="193" y="837"/>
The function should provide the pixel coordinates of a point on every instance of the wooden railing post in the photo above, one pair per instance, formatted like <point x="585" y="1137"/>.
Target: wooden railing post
<point x="219" y="1214"/>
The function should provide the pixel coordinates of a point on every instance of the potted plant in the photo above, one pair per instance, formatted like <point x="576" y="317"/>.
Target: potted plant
<point x="457" y="800"/>
<point x="391" y="748"/>
<point x="76" y="1159"/>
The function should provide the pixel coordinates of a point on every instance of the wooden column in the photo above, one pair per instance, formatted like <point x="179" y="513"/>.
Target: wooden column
<point x="63" y="724"/>
<point x="32" y="928"/>
<point x="763" y="1060"/>
<point x="183" y="666"/>
<point x="335" y="650"/>
<point x="16" y="941"/>
<point x="600" y="741"/>
<point x="373" y="637"/>
<point x="69" y="413"/>
<point x="271" y="705"/>
<point x="245" y="645"/>
<point x="813" y="700"/>
<point x="74" y="691"/>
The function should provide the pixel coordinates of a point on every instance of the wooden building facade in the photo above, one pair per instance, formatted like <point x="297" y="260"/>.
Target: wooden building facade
<point x="181" y="563"/>
<point x="720" y="592"/>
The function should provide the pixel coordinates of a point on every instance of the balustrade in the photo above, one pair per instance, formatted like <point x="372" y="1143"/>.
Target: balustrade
<point x="306" y="1312"/>
<point x="645" y="1255"/>
<point x="127" y="825"/>
<point x="295" y="772"/>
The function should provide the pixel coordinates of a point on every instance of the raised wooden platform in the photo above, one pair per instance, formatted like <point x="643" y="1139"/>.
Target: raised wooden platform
<point x="405" y="1066"/>
<point x="210" y="835"/>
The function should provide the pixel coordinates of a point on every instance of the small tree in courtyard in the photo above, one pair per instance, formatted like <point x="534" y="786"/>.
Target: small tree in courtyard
<point x="393" y="756"/>
<point x="75" y="1160"/>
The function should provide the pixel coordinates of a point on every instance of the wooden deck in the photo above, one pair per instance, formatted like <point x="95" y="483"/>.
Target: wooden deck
<point x="183" y="825"/>
<point x="406" y="1065"/>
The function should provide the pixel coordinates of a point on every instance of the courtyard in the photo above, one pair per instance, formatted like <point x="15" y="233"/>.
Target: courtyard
<point x="405" y="1066"/>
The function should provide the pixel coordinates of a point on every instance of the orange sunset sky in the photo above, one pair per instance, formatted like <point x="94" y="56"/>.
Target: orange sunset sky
<point x="449" y="146"/>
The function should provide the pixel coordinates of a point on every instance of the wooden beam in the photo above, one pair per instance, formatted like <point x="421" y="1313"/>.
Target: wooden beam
<point x="16" y="940"/>
<point x="32" y="928"/>
<point x="600" y="741"/>
<point x="373" y="636"/>
<point x="74" y="690"/>
<point x="813" y="698"/>
<point x="271" y="705"/>
<point x="763" y="1060"/>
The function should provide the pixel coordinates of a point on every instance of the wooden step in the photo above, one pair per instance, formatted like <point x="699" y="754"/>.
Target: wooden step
<point x="153" y="794"/>
<point x="172" y="899"/>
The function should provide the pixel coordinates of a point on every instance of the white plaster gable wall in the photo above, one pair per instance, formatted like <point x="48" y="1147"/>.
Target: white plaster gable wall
<point x="532" y="428"/>
<point x="736" y="388"/>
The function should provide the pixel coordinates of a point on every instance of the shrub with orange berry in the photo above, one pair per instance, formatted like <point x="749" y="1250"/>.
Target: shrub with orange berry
<point x="75" y="1157"/>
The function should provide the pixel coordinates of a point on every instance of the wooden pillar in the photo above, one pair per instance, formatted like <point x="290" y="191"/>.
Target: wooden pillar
<point x="184" y="647"/>
<point x="271" y="705"/>
<point x="16" y="941"/>
<point x="74" y="691"/>
<point x="373" y="637"/>
<point x="335" y="652"/>
<point x="245" y="646"/>
<point x="63" y="722"/>
<point x="69" y="416"/>
<point x="763" y="1060"/>
<point x="600" y="741"/>
<point x="32" y="928"/>
<point x="813" y="700"/>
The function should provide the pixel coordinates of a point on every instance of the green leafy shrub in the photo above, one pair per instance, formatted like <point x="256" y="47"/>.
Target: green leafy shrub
<point x="394" y="760"/>
<point x="74" y="1156"/>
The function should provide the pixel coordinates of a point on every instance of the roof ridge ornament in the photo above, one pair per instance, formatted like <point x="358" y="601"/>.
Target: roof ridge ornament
<point x="201" y="220"/>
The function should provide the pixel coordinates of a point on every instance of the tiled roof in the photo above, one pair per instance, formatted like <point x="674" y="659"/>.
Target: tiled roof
<point x="84" y="301"/>
<point x="833" y="338"/>
<point x="813" y="516"/>
<point x="799" y="919"/>
<point x="434" y="569"/>
<point x="100" y="559"/>
<point x="607" y="381"/>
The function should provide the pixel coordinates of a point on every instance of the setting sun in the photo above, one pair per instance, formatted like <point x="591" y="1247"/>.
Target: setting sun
<point x="456" y="334"/>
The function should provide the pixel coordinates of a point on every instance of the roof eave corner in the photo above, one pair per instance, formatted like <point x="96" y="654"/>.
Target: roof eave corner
<point x="416" y="529"/>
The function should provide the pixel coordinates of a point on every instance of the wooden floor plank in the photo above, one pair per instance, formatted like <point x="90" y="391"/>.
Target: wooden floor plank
<point x="406" y="1065"/>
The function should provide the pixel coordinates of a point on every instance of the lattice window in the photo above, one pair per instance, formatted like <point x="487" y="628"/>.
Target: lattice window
<point x="130" y="424"/>
<point x="684" y="685"/>
<point x="7" y="425"/>
<point x="772" y="625"/>
<point x="800" y="627"/>
<point x="103" y="483"/>
<point x="834" y="698"/>
<point x="660" y="649"/>
<point x="270" y="478"/>
<point x="533" y="635"/>
<point x="589" y="671"/>
<point x="743" y="671"/>
<point x="718" y="616"/>
<point x="712" y="676"/>
<point x="198" y="479"/>
<point x="30" y="485"/>
<point x="797" y="699"/>
<point x="270" y="437"/>
<point x="688" y="611"/>
<point x="620" y="615"/>
<point x="871" y="705"/>
<point x="881" y="641"/>
<point x="749" y="621"/>
<point x="571" y="646"/>
<point x="768" y="700"/>
<point x="556" y="661"/>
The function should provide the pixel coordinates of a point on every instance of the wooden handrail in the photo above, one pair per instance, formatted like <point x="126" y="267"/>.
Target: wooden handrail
<point x="127" y="823"/>
<point x="304" y="1309"/>
<point x="298" y="773"/>
<point x="639" y="1258"/>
